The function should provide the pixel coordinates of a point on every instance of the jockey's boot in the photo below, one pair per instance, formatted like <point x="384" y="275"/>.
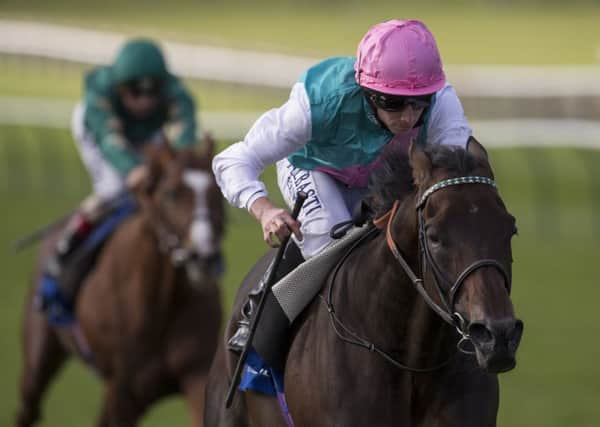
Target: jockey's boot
<point x="56" y="290"/>
<point x="51" y="296"/>
<point x="291" y="259"/>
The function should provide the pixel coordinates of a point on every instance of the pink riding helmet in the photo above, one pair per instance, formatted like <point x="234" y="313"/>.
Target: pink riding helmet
<point x="399" y="58"/>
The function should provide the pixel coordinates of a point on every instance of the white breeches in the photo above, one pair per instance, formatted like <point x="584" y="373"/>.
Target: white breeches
<point x="329" y="202"/>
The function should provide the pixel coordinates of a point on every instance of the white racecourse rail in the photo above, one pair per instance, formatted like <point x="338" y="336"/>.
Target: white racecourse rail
<point x="234" y="125"/>
<point x="277" y="70"/>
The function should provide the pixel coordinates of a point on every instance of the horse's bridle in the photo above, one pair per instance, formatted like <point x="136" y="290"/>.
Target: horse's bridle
<point x="446" y="311"/>
<point x="170" y="242"/>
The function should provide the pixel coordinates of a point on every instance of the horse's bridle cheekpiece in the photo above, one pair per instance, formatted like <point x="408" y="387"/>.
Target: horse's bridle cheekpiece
<point x="446" y="311"/>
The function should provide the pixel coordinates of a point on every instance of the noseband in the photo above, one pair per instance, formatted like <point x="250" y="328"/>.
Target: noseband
<point x="446" y="311"/>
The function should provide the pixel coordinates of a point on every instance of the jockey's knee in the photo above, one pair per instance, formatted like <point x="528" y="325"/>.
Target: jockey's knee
<point x="315" y="231"/>
<point x="93" y="206"/>
<point x="313" y="243"/>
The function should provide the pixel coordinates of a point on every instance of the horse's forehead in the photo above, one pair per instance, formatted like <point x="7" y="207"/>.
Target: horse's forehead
<point x="439" y="174"/>
<point x="467" y="199"/>
<point x="198" y="180"/>
<point x="476" y="205"/>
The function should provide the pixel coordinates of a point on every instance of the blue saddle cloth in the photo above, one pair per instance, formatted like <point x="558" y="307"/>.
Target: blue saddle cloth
<point x="59" y="310"/>
<point x="260" y="377"/>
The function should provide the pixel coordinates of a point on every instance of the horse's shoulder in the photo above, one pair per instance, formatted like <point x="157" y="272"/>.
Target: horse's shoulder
<point x="134" y="238"/>
<point x="135" y="230"/>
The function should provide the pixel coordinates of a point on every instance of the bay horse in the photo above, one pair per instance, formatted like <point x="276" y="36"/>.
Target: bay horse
<point x="151" y="330"/>
<point x="413" y="325"/>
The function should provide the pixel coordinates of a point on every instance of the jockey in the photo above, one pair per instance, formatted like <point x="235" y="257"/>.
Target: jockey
<point x="127" y="105"/>
<point x="326" y="139"/>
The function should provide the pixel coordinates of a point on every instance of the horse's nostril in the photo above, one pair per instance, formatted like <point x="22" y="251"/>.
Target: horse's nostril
<point x="518" y="327"/>
<point x="514" y="336"/>
<point x="480" y="333"/>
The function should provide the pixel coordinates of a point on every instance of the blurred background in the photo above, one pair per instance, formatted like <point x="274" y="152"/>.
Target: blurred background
<point x="528" y="73"/>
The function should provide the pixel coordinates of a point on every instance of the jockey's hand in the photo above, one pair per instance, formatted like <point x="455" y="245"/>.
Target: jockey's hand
<point x="276" y="223"/>
<point x="137" y="177"/>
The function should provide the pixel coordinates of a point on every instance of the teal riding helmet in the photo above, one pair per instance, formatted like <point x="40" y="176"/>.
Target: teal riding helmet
<point x="139" y="58"/>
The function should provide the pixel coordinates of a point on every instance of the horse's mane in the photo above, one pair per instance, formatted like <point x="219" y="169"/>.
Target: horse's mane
<point x="393" y="180"/>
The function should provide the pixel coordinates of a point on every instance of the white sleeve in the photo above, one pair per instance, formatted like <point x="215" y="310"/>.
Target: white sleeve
<point x="275" y="135"/>
<point x="447" y="123"/>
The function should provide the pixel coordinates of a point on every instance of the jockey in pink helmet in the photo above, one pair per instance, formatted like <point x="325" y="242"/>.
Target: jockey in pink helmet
<point x="399" y="58"/>
<point x="326" y="139"/>
<point x="398" y="61"/>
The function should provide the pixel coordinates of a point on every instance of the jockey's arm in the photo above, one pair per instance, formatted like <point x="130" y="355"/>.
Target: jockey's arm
<point x="106" y="128"/>
<point x="275" y="135"/>
<point x="447" y="124"/>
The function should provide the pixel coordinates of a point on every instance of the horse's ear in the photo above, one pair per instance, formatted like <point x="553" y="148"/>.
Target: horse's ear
<point x="199" y="158"/>
<point x="208" y="146"/>
<point x="476" y="149"/>
<point x="158" y="152"/>
<point x="420" y="163"/>
<point x="154" y="158"/>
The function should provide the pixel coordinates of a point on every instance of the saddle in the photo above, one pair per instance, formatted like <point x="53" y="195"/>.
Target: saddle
<point x="57" y="292"/>
<point x="292" y="294"/>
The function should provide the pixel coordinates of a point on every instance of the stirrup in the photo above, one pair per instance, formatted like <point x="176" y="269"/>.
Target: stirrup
<point x="50" y="299"/>
<point x="237" y="342"/>
<point x="239" y="339"/>
<point x="292" y="258"/>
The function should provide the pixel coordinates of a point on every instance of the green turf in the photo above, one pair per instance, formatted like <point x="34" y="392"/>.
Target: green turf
<point x="552" y="192"/>
<point x="476" y="31"/>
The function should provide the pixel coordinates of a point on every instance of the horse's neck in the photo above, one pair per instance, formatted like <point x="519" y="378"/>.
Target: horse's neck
<point x="152" y="253"/>
<point x="388" y="311"/>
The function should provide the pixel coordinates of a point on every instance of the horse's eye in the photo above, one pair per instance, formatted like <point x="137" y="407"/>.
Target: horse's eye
<point x="434" y="238"/>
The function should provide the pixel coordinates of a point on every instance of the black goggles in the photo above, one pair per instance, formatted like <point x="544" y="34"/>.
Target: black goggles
<point x="393" y="103"/>
<point x="147" y="86"/>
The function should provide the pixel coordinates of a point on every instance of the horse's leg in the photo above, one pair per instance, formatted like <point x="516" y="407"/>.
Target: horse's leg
<point x="119" y="408"/>
<point x="194" y="386"/>
<point x="215" y="413"/>
<point x="105" y="411"/>
<point x="43" y="355"/>
<point x="263" y="410"/>
<point x="463" y="400"/>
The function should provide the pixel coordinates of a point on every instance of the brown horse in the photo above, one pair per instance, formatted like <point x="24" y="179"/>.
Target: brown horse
<point x="382" y="345"/>
<point x="151" y="332"/>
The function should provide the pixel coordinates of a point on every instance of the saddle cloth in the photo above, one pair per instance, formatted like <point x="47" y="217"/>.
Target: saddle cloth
<point x="58" y="304"/>
<point x="289" y="297"/>
<point x="295" y="290"/>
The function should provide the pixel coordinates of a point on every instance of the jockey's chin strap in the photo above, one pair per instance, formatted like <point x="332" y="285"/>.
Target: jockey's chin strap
<point x="446" y="311"/>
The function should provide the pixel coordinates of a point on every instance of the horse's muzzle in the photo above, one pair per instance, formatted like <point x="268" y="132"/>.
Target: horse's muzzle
<point x="496" y="343"/>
